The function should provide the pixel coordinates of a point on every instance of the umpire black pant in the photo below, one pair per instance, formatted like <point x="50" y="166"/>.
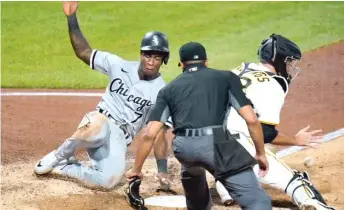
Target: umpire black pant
<point x="196" y="154"/>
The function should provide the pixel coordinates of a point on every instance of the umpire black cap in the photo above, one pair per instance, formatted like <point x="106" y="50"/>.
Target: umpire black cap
<point x="192" y="51"/>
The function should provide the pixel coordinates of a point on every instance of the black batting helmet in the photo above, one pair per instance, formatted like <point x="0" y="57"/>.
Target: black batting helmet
<point x="277" y="50"/>
<point x="157" y="42"/>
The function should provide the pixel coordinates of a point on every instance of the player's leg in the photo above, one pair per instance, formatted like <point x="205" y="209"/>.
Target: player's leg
<point x="280" y="176"/>
<point x="107" y="160"/>
<point x="68" y="147"/>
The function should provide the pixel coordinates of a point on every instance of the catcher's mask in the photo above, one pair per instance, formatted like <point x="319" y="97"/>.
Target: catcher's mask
<point x="156" y="42"/>
<point x="282" y="54"/>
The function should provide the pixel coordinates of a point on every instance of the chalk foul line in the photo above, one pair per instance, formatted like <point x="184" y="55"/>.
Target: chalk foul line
<point x="76" y="94"/>
<point x="282" y="153"/>
<point x="327" y="137"/>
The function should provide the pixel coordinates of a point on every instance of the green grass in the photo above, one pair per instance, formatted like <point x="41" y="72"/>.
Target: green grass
<point x="36" y="50"/>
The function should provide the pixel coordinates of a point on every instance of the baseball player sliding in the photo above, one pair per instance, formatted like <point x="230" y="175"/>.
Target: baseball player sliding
<point x="121" y="113"/>
<point x="266" y="85"/>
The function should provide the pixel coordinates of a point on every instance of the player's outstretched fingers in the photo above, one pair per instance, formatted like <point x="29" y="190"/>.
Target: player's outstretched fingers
<point x="305" y="128"/>
<point x="315" y="141"/>
<point x="315" y="132"/>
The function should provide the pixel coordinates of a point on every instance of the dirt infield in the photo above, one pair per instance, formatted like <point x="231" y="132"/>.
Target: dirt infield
<point x="33" y="126"/>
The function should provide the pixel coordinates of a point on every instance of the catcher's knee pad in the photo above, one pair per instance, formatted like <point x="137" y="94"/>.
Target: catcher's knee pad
<point x="93" y="130"/>
<point x="302" y="191"/>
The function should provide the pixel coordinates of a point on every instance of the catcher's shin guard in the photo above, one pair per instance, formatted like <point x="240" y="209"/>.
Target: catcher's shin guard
<point x="132" y="194"/>
<point x="304" y="194"/>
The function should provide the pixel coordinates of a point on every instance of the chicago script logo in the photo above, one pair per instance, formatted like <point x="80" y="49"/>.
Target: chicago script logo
<point x="118" y="86"/>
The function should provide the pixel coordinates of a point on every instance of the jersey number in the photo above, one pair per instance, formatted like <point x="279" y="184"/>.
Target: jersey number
<point x="260" y="76"/>
<point x="139" y="115"/>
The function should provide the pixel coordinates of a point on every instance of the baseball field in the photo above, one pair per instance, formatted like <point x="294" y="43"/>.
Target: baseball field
<point x="37" y="57"/>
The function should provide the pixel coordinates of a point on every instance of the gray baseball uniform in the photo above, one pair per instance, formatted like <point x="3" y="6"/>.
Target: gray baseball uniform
<point x="127" y="98"/>
<point x="126" y="104"/>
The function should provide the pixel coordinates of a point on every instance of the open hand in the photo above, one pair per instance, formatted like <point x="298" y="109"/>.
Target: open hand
<point x="308" y="138"/>
<point x="70" y="7"/>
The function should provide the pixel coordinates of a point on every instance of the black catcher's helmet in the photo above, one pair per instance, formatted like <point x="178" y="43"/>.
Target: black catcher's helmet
<point x="281" y="53"/>
<point x="156" y="41"/>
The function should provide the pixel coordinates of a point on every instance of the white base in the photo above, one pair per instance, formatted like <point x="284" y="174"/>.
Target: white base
<point x="173" y="201"/>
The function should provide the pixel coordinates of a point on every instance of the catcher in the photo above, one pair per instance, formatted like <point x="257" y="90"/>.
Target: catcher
<point x="266" y="85"/>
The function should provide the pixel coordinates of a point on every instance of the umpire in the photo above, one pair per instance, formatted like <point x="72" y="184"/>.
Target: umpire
<point x="198" y="101"/>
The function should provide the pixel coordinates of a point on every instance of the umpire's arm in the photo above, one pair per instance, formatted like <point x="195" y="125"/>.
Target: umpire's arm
<point x="158" y="116"/>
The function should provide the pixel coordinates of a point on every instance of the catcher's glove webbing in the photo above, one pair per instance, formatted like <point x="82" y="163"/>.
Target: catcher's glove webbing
<point x="132" y="194"/>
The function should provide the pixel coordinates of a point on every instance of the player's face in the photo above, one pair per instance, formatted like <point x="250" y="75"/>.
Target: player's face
<point x="292" y="67"/>
<point x="151" y="63"/>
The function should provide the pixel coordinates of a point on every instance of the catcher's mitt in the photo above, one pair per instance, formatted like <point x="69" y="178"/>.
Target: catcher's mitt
<point x="132" y="194"/>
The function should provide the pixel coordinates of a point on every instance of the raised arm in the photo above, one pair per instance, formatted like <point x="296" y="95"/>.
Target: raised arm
<point x="80" y="45"/>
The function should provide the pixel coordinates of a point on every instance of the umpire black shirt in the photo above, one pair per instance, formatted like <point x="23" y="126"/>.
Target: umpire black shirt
<point x="199" y="97"/>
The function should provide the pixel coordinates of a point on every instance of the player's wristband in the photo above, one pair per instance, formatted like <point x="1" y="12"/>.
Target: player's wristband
<point x="162" y="165"/>
<point x="72" y="22"/>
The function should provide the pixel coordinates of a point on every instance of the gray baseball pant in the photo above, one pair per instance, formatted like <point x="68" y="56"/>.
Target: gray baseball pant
<point x="106" y="147"/>
<point x="196" y="154"/>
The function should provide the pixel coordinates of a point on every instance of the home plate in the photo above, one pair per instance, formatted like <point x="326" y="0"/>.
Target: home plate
<point x="176" y="201"/>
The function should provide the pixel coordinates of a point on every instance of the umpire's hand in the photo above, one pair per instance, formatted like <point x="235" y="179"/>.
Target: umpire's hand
<point x="263" y="165"/>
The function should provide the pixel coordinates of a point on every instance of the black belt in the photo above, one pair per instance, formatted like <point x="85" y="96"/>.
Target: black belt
<point x="195" y="132"/>
<point x="106" y="113"/>
<point x="200" y="132"/>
